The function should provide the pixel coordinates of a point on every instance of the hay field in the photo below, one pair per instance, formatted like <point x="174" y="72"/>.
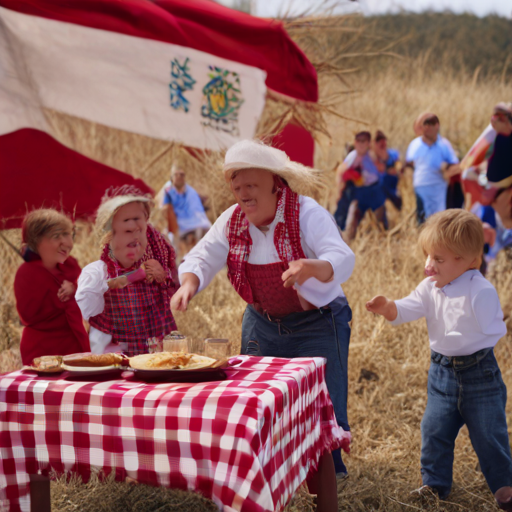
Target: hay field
<point x="385" y="406"/>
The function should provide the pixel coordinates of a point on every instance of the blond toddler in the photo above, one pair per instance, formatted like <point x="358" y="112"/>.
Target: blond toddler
<point x="465" y="322"/>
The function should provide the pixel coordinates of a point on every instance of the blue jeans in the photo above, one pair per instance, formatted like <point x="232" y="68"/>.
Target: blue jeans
<point x="433" y="198"/>
<point x="317" y="333"/>
<point x="369" y="197"/>
<point x="465" y="390"/>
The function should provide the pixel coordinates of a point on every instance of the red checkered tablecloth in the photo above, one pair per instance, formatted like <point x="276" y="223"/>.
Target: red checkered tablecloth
<point x="247" y="442"/>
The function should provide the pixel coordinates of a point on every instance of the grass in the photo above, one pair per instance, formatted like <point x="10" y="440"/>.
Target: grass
<point x="385" y="410"/>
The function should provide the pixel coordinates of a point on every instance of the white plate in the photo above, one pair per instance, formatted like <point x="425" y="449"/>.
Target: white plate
<point x="197" y="362"/>
<point x="79" y="369"/>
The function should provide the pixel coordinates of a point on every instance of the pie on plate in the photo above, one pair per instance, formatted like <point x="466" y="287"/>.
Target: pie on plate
<point x="171" y="361"/>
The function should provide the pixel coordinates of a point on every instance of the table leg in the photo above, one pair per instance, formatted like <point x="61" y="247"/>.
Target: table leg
<point x="40" y="494"/>
<point x="323" y="483"/>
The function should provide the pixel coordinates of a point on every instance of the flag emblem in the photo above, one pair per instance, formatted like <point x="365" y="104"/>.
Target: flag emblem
<point x="222" y="99"/>
<point x="181" y="82"/>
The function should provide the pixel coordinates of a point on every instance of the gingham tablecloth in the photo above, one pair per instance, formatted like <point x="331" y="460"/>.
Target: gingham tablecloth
<point x="247" y="442"/>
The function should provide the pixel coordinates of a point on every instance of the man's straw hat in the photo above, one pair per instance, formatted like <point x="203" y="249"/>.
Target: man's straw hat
<point x="114" y="199"/>
<point x="250" y="154"/>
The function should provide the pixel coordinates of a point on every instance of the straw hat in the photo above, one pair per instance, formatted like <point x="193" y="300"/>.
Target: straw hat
<point x="114" y="199"/>
<point x="250" y="154"/>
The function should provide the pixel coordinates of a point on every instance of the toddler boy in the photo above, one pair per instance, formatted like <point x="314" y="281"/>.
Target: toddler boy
<point x="465" y="322"/>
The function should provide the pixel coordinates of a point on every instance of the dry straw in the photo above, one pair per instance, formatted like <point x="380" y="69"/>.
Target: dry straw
<point x="387" y="366"/>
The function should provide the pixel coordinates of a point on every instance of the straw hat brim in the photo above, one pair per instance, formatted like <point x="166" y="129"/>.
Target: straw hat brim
<point x="300" y="178"/>
<point x="108" y="209"/>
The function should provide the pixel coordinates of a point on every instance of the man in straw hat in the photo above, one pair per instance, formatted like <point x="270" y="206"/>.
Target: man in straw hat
<point x="126" y="295"/>
<point x="286" y="259"/>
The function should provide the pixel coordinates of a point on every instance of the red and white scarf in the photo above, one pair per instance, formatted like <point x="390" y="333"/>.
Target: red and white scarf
<point x="286" y="240"/>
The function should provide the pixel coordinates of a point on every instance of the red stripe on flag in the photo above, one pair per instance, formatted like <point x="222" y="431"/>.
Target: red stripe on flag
<point x="37" y="171"/>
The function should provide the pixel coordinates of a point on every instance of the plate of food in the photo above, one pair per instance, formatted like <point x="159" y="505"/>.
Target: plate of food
<point x="178" y="367"/>
<point x="83" y="366"/>
<point x="46" y="365"/>
<point x="96" y="366"/>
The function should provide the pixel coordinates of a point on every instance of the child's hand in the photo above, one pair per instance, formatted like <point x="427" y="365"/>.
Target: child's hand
<point x="117" y="283"/>
<point x="381" y="305"/>
<point x="154" y="271"/>
<point x="66" y="291"/>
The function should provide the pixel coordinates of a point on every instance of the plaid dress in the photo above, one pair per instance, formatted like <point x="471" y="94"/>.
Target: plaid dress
<point x="141" y="310"/>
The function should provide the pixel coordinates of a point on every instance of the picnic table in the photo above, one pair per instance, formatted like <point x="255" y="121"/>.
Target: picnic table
<point x="247" y="442"/>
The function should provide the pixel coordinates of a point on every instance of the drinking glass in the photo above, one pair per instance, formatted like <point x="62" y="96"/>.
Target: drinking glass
<point x="155" y="345"/>
<point x="175" y="343"/>
<point x="217" y="348"/>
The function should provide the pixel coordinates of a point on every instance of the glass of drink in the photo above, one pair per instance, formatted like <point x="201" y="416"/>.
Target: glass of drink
<point x="217" y="348"/>
<point x="175" y="342"/>
<point x="155" y="345"/>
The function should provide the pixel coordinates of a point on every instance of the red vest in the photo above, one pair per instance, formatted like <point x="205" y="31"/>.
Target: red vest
<point x="261" y="285"/>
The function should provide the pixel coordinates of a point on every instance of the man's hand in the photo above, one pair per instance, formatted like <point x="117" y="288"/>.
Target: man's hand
<point x="188" y="288"/>
<point x="296" y="273"/>
<point x="451" y="170"/>
<point x="381" y="305"/>
<point x="154" y="271"/>
<point x="301" y="270"/>
<point x="66" y="291"/>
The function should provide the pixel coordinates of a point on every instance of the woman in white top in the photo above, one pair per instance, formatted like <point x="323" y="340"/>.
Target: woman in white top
<point x="286" y="258"/>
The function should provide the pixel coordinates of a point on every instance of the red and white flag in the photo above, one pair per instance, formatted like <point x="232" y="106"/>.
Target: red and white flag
<point x="174" y="70"/>
<point x="190" y="71"/>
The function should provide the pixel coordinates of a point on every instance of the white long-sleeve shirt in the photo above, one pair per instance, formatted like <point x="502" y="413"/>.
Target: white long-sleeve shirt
<point x="92" y="286"/>
<point x="463" y="317"/>
<point x="320" y="239"/>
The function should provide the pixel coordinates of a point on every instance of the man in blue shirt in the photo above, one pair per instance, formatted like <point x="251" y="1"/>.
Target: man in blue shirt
<point x="185" y="202"/>
<point x="434" y="161"/>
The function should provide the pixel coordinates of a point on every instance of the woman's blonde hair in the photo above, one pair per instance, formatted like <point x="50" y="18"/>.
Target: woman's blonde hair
<point x="40" y="223"/>
<point x="459" y="231"/>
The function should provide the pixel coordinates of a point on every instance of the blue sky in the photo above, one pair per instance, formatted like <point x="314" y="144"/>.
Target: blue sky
<point x="478" y="7"/>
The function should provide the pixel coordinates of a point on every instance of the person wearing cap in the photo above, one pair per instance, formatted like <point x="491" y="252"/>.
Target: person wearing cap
<point x="125" y="296"/>
<point x="387" y="161"/>
<point x="434" y="161"/>
<point x="286" y="258"/>
<point x="359" y="169"/>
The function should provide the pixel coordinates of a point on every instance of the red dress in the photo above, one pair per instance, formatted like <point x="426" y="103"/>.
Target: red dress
<point x="52" y="327"/>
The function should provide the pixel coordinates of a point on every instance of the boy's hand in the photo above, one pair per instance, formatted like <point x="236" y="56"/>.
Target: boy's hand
<point x="381" y="305"/>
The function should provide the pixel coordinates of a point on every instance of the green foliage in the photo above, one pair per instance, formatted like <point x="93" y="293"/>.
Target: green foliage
<point x="464" y="41"/>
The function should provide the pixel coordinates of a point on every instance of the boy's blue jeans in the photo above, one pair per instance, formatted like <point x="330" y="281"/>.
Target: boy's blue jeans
<point x="465" y="390"/>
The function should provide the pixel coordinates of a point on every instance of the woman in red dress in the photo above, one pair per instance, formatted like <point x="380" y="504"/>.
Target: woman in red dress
<point x="45" y="288"/>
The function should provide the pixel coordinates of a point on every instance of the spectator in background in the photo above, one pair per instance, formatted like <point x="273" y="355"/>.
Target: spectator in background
<point x="499" y="174"/>
<point x="434" y="161"/>
<point x="499" y="170"/>
<point x="185" y="211"/>
<point x="360" y="170"/>
<point x="388" y="164"/>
